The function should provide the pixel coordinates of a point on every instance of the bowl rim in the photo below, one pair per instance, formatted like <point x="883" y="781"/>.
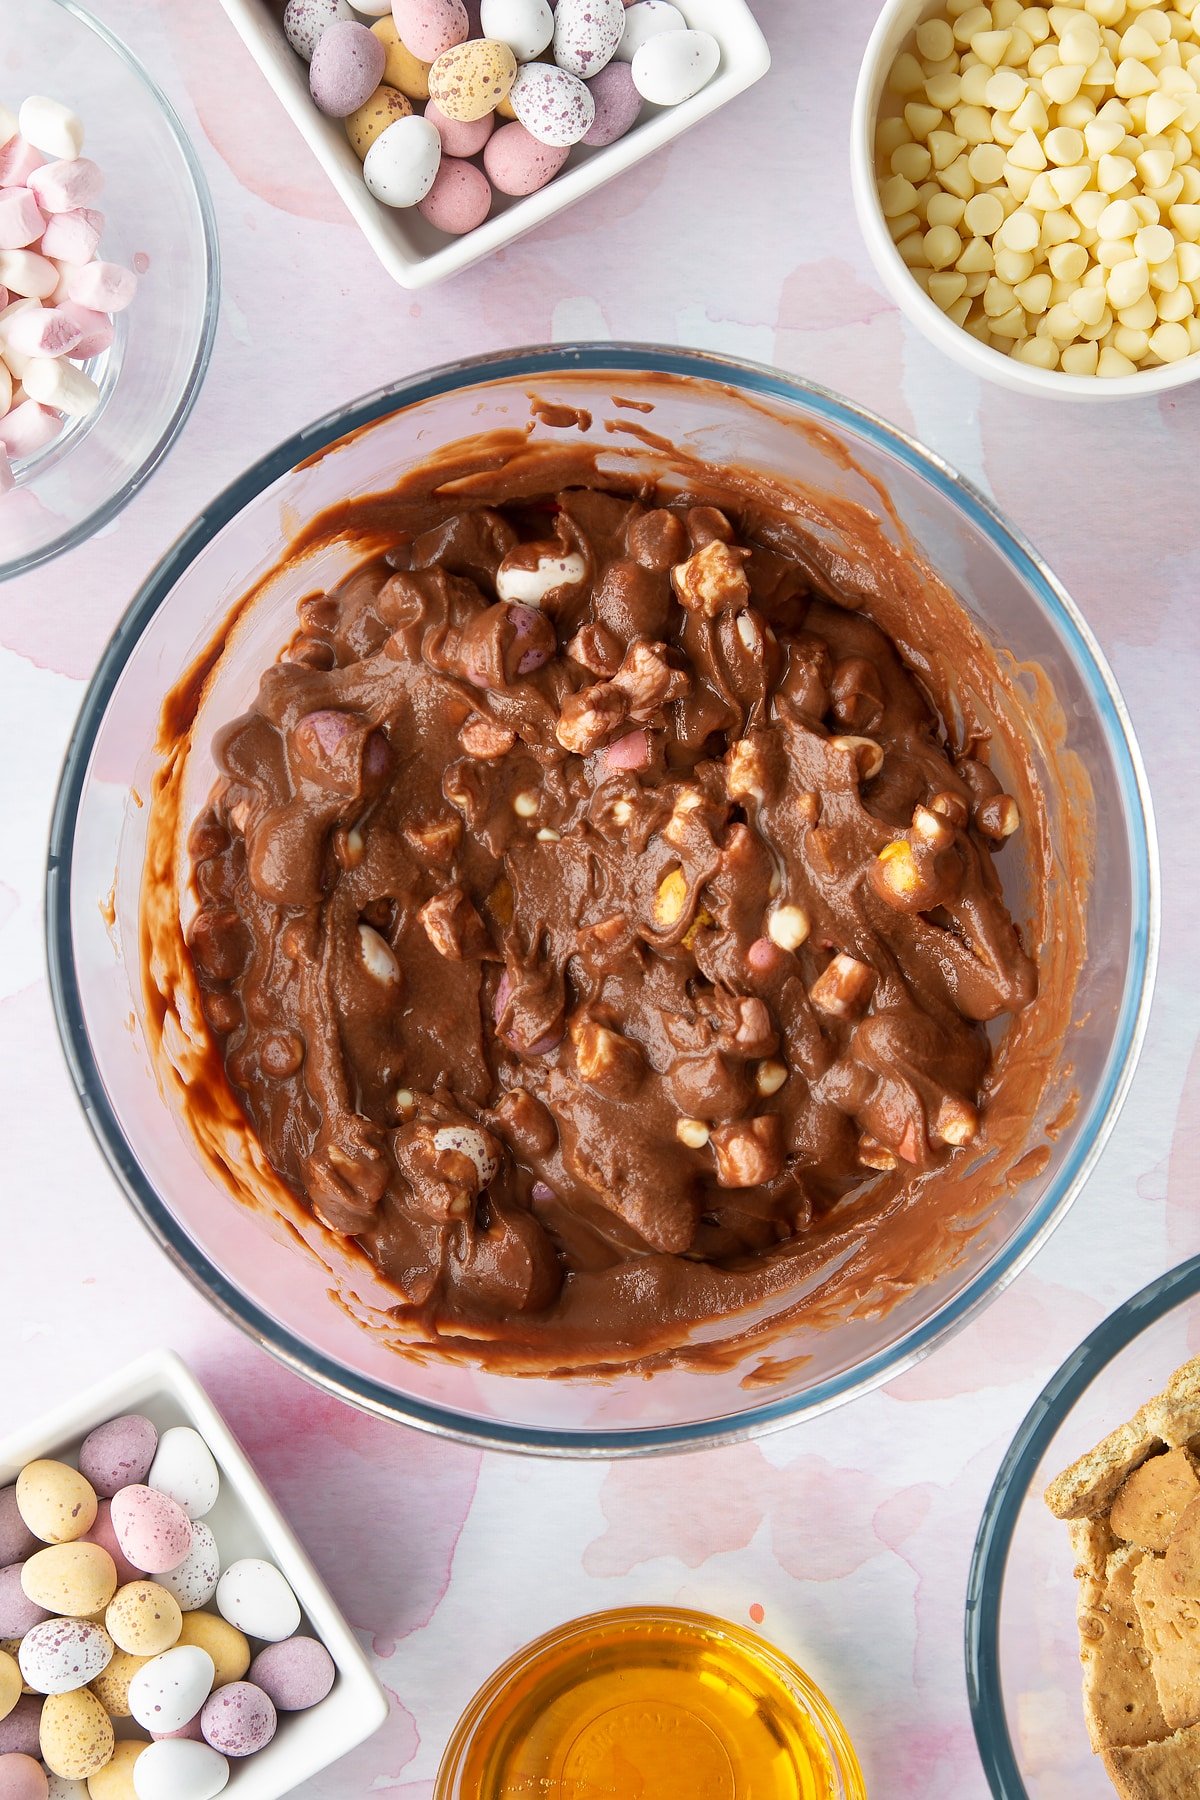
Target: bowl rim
<point x="989" y="1558"/>
<point x="747" y="378"/>
<point x="910" y="297"/>
<point x="104" y="514"/>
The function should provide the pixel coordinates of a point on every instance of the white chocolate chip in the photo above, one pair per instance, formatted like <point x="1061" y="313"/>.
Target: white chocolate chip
<point x="379" y="959"/>
<point x="788" y="926"/>
<point x="769" y="1077"/>
<point x="525" y="804"/>
<point x="529" y="587"/>
<point x="692" y="1132"/>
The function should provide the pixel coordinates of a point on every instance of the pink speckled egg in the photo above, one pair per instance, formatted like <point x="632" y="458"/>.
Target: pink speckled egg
<point x="460" y="137"/>
<point x="153" y="1530"/>
<point x="118" y="1453"/>
<point x="586" y="34"/>
<point x="102" y="1533"/>
<point x="190" y="1731"/>
<point x="347" y="67"/>
<point x="18" y="1613"/>
<point x="295" y="1674"/>
<point x="517" y="164"/>
<point x="618" y="104"/>
<point x="238" y="1719"/>
<point x="427" y="27"/>
<point x="16" y="1540"/>
<point x="553" y="105"/>
<point x="460" y="198"/>
<point x="21" y="1778"/>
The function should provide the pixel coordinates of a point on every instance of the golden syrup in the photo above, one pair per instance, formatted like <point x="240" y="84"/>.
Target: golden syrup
<point x="650" y="1705"/>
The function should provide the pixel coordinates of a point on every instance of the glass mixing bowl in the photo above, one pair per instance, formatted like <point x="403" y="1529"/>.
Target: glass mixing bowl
<point x="158" y="219"/>
<point x="243" y="1256"/>
<point x="1022" y="1646"/>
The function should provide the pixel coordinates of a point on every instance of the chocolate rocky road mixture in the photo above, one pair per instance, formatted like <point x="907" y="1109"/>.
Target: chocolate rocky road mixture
<point x="587" y="906"/>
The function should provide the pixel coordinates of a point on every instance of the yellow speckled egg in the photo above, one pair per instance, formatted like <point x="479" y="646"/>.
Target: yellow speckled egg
<point x="76" y="1733"/>
<point x="10" y="1647"/>
<point x="115" y="1780"/>
<point x="55" y="1501"/>
<point x="111" y="1688"/>
<point x="402" y="70"/>
<point x="143" y="1618"/>
<point x="228" y="1647"/>
<point x="385" y="106"/>
<point x="77" y="1581"/>
<point x="469" y="80"/>
<point x="11" y="1683"/>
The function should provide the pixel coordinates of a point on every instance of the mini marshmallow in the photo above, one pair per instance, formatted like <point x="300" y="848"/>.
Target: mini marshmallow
<point x="62" y="186"/>
<point x="17" y="362"/>
<point x="27" y="428"/>
<point x="21" y="220"/>
<point x="8" y="123"/>
<point x="100" y="286"/>
<point x="72" y="237"/>
<point x="55" y="382"/>
<point x="25" y="272"/>
<point x="18" y="161"/>
<point x="96" y="329"/>
<point x="6" y="388"/>
<point x="50" y="127"/>
<point x="46" y="332"/>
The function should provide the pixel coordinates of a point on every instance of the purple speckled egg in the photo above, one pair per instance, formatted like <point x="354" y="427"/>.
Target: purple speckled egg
<point x="16" y="1540"/>
<point x="21" y="1731"/>
<point x="306" y="21"/>
<point x="18" y="1614"/>
<point x="21" y="1778"/>
<point x="238" y="1719"/>
<point x="553" y="105"/>
<point x="586" y="34"/>
<point x="347" y="67"/>
<point x="118" y="1453"/>
<point x="294" y="1675"/>
<point x="618" y="104"/>
<point x="517" y="164"/>
<point x="460" y="198"/>
<point x="153" y="1530"/>
<point x="459" y="138"/>
<point x="427" y="27"/>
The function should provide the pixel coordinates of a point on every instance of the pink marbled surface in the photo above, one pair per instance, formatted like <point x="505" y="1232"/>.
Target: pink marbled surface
<point x="851" y="1534"/>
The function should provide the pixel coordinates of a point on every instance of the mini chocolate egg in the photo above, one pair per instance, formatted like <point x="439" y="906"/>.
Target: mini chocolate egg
<point x="76" y="1734"/>
<point x="553" y="105"/>
<point x="190" y="1730"/>
<point x="303" y="23"/>
<point x="102" y="1533"/>
<point x="61" y="1655"/>
<point x="59" y="1787"/>
<point x="401" y="70"/>
<point x="427" y="27"/>
<point x="238" y="1719"/>
<point x="400" y="166"/>
<point x="10" y="1683"/>
<point x="471" y="79"/>
<point x="586" y="34"/>
<point x="672" y="66"/>
<point x="56" y="1502"/>
<point x="526" y="26"/>
<point x="517" y="164"/>
<point x="21" y="1778"/>
<point x="295" y="1674"/>
<point x="185" y="1468"/>
<point x="19" y="1731"/>
<point x="180" y="1769"/>
<point x="374" y="9"/>
<point x="255" y="1597"/>
<point x="346" y="68"/>
<point x="118" y="1453"/>
<point x="227" y="1646"/>
<point x="152" y="1530"/>
<point x="115" y="1781"/>
<point x="77" y="1580"/>
<point x="460" y="139"/>
<point x="460" y="198"/>
<point x="618" y="104"/>
<point x="385" y="106"/>
<point x="18" y="1613"/>
<point x="16" y="1540"/>
<point x="112" y="1687"/>
<point x="144" y="1619"/>
<point x="645" y="19"/>
<point x="170" y="1689"/>
<point x="194" y="1582"/>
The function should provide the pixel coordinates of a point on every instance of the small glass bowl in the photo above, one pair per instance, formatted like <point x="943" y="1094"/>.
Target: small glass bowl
<point x="1022" y="1645"/>
<point x="640" y="1696"/>
<point x="158" y="220"/>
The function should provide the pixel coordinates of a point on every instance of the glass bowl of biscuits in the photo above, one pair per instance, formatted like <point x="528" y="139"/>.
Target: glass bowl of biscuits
<point x="1083" y="1604"/>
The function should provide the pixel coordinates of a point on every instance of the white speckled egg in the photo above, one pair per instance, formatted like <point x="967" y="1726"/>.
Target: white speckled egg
<point x="526" y="26"/>
<point x="586" y="34"/>
<point x="179" y="1769"/>
<point x="305" y="20"/>
<point x="254" y="1596"/>
<point x="644" y="20"/>
<point x="400" y="166"/>
<point x="553" y="105"/>
<point x="673" y="65"/>
<point x="60" y="1655"/>
<point x="170" y="1689"/>
<point x="185" y="1468"/>
<point x="194" y="1582"/>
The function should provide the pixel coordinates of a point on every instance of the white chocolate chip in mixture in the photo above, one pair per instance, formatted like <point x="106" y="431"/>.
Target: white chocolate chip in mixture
<point x="379" y="959"/>
<point x="529" y="586"/>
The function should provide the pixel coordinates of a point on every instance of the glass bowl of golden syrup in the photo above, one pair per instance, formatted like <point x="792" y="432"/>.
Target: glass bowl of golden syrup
<point x="649" y="1704"/>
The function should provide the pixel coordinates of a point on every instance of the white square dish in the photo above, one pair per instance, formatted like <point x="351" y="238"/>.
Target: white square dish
<point x="412" y="251"/>
<point x="246" y="1522"/>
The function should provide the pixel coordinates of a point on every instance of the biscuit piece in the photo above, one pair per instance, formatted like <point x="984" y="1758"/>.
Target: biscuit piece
<point x="1093" y="1544"/>
<point x="1092" y="1481"/>
<point x="1166" y="1771"/>
<point x="1153" y="1499"/>
<point x="1171" y="1628"/>
<point x="1182" y="1564"/>
<point x="1120" y="1701"/>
